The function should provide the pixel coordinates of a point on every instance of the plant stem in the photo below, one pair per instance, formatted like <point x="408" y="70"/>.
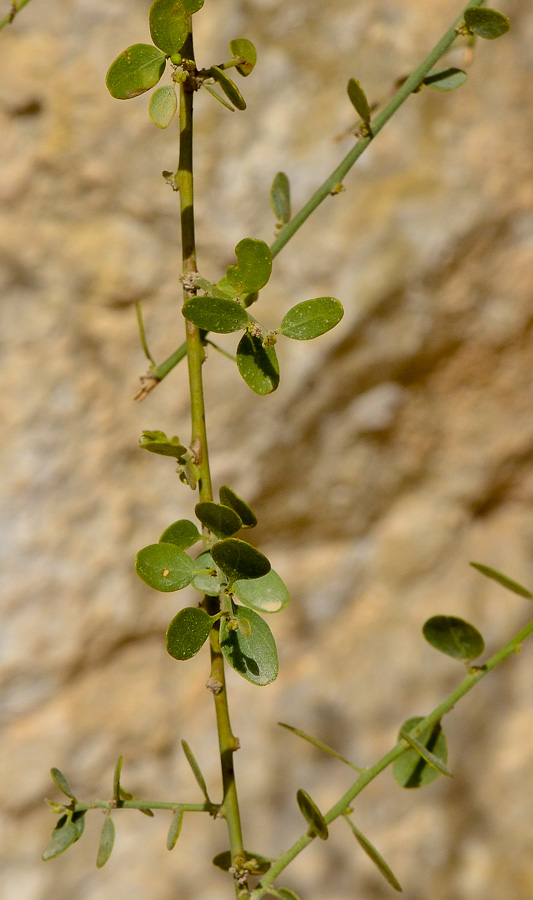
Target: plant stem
<point x="16" y="6"/>
<point x="342" y="805"/>
<point x="195" y="355"/>
<point x="145" y="804"/>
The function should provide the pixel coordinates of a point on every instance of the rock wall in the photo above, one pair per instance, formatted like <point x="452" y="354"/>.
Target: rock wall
<point x="397" y="448"/>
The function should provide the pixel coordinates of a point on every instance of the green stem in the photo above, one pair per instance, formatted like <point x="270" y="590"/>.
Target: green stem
<point x="16" y="6"/>
<point x="411" y="84"/>
<point x="146" y="804"/>
<point x="342" y="805"/>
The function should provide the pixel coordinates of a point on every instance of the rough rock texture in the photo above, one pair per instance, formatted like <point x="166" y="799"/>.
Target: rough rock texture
<point x="397" y="448"/>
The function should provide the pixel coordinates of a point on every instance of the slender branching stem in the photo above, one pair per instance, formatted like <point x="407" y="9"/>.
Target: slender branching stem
<point x="343" y="804"/>
<point x="144" y="805"/>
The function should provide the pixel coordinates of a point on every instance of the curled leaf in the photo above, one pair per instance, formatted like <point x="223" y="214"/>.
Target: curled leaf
<point x="243" y="47"/>
<point x="254" y="266"/>
<point x="312" y="815"/>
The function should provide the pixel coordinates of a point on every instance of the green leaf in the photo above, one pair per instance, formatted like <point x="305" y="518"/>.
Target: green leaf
<point x="280" y="197"/>
<point x="197" y="772"/>
<point x="258" y="365"/>
<point x="256" y="863"/>
<point x="375" y="856"/>
<point x="169" y="22"/>
<point x="287" y="894"/>
<point x="254" y="266"/>
<point x="453" y="636"/>
<point x="426" y="754"/>
<point x="157" y="442"/>
<point x="135" y="71"/>
<point x="502" y="579"/>
<point x="445" y="79"/>
<point x="188" y="632"/>
<point x="217" y="96"/>
<point x="320" y="744"/>
<point x="165" y="567"/>
<point x="62" y="783"/>
<point x="175" y="828"/>
<point x="217" y="518"/>
<point x="237" y="559"/>
<point x="267" y="594"/>
<point x="116" y="780"/>
<point x="68" y="830"/>
<point x="311" y="318"/>
<point x="358" y="100"/>
<point x="229" y="87"/>
<point x="210" y="583"/>
<point x="486" y="23"/>
<point x="244" y="48"/>
<point x="216" y="314"/>
<point x="163" y="106"/>
<point x="245" y="512"/>
<point x="312" y="815"/>
<point x="107" y="839"/>
<point x="409" y="770"/>
<point x="249" y="648"/>
<point x="183" y="534"/>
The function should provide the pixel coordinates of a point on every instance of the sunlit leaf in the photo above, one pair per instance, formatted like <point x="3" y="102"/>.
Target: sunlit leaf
<point x="486" y="23"/>
<point x="157" y="442"/>
<point x="163" y="106"/>
<point x="62" y="782"/>
<point x="375" y="856"/>
<point x="311" y="318"/>
<point x="107" y="840"/>
<point x="445" y="79"/>
<point x="216" y="314"/>
<point x="254" y="266"/>
<point x="219" y="519"/>
<point x="280" y="197"/>
<point x="210" y="582"/>
<point x="502" y="579"/>
<point x="229" y="87"/>
<point x="229" y="498"/>
<point x="136" y="70"/>
<point x="453" y="636"/>
<point x="197" y="772"/>
<point x="175" y="827"/>
<point x="258" y="365"/>
<point x="312" y="815"/>
<point x="165" y="567"/>
<point x="249" y="648"/>
<point x="243" y="47"/>
<point x="67" y="831"/>
<point x="169" y="22"/>
<point x="188" y="632"/>
<point x="237" y="559"/>
<point x="358" y="100"/>
<point x="183" y="534"/>
<point x="410" y="770"/>
<point x="267" y="594"/>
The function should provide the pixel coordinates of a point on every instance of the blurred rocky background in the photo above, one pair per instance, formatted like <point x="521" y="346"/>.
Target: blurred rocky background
<point x="397" y="448"/>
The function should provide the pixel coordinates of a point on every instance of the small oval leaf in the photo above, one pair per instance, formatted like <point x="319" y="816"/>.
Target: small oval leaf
<point x="250" y="648"/>
<point x="502" y="579"/>
<point x="358" y="100"/>
<point x="312" y="815"/>
<point x="237" y="559"/>
<point x="165" y="567"/>
<point x="229" y="87"/>
<point x="163" y="106"/>
<point x="169" y="23"/>
<point x="375" y="856"/>
<point x="254" y="266"/>
<point x="445" y="79"/>
<point x="210" y="582"/>
<point x="188" y="632"/>
<point x="175" y="828"/>
<point x="107" y="840"/>
<point x="258" y="365"/>
<point x="229" y="498"/>
<point x="216" y="314"/>
<point x="136" y="70"/>
<point x="183" y="534"/>
<point x="219" y="519"/>
<point x="267" y="594"/>
<point x="67" y="832"/>
<point x="410" y="770"/>
<point x="311" y="318"/>
<point x="486" y="23"/>
<point x="280" y="197"/>
<point x="244" y="48"/>
<point x="453" y="636"/>
<point x="62" y="782"/>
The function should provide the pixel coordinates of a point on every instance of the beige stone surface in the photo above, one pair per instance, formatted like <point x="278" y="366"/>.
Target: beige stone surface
<point x="397" y="448"/>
